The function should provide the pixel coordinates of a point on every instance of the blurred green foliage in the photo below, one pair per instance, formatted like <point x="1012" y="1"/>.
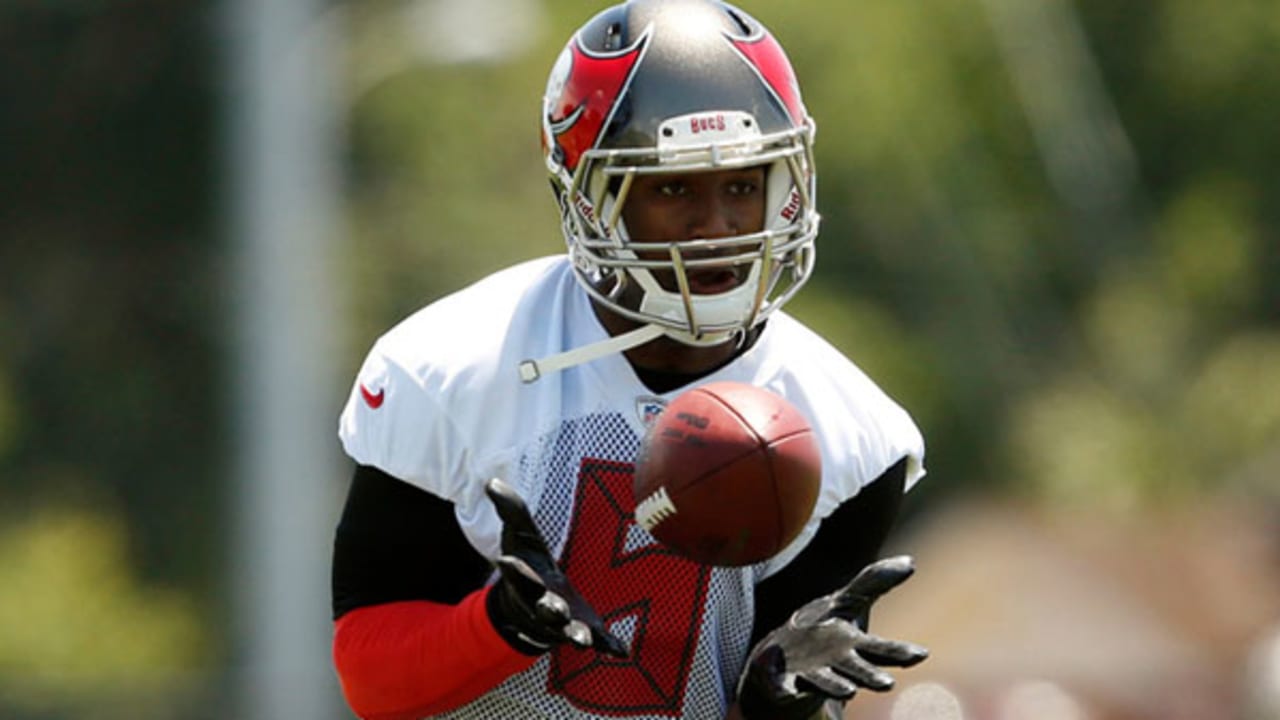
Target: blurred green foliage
<point x="78" y="625"/>
<point x="1049" y="229"/>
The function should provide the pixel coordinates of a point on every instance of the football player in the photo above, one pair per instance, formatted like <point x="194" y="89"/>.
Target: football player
<point x="486" y="564"/>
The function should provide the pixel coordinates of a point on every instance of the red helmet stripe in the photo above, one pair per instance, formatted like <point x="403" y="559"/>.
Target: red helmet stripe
<point x="590" y="93"/>
<point x="771" y="62"/>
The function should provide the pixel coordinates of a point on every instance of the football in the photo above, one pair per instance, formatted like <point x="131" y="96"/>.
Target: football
<point x="727" y="475"/>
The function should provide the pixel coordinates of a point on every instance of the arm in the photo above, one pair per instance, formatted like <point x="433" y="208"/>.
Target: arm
<point x="388" y="660"/>
<point x="807" y="663"/>
<point x="849" y="539"/>
<point x="407" y="584"/>
<point x="405" y="580"/>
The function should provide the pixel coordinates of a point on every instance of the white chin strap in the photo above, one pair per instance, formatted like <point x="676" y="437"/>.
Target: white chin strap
<point x="531" y="370"/>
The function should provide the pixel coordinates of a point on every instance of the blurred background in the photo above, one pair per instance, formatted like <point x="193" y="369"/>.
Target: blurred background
<point x="1050" y="229"/>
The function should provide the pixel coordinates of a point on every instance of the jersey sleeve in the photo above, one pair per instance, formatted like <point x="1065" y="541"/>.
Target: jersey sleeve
<point x="899" y="439"/>
<point x="393" y="422"/>
<point x="861" y="430"/>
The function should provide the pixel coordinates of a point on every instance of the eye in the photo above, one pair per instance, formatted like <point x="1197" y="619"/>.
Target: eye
<point x="743" y="187"/>
<point x="673" y="188"/>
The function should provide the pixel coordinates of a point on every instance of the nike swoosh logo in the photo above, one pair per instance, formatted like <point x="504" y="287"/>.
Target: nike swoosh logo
<point x="373" y="400"/>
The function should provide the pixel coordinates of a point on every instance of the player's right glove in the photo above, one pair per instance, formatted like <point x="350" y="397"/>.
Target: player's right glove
<point x="533" y="606"/>
<point x="821" y="653"/>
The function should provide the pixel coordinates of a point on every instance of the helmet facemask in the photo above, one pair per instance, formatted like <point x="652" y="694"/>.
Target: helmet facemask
<point x="658" y="87"/>
<point x="772" y="262"/>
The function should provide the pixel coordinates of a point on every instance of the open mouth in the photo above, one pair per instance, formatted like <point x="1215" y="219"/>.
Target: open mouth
<point x="713" y="281"/>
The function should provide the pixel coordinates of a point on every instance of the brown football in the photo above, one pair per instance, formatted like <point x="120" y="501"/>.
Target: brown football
<point x="727" y="475"/>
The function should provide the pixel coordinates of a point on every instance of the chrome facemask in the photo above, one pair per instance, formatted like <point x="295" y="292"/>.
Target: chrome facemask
<point x="777" y="260"/>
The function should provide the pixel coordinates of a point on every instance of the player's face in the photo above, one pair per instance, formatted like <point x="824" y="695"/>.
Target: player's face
<point x="687" y="206"/>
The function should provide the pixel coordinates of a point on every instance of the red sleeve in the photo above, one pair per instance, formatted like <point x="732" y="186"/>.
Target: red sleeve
<point x="404" y="660"/>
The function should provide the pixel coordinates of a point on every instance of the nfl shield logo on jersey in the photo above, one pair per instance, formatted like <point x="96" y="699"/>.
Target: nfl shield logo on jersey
<point x="649" y="408"/>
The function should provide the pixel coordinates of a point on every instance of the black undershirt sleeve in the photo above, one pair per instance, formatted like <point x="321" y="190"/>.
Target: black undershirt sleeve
<point x="847" y="540"/>
<point x="398" y="542"/>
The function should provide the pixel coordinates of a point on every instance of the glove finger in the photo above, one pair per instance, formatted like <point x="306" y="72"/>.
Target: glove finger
<point x="511" y="508"/>
<point x="881" y="651"/>
<point x="521" y="577"/>
<point x="520" y="535"/>
<point x="607" y="642"/>
<point x="863" y="673"/>
<point x="585" y="615"/>
<point x="551" y="610"/>
<point x="593" y="635"/>
<point x="826" y="682"/>
<point x="559" y="604"/>
<point x="578" y="633"/>
<point x="874" y="580"/>
<point x="586" y="636"/>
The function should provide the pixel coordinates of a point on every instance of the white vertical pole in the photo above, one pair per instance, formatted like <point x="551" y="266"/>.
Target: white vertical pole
<point x="282" y="78"/>
<point x="1087" y="153"/>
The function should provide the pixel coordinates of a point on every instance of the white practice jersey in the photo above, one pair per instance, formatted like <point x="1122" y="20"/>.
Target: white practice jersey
<point x="439" y="403"/>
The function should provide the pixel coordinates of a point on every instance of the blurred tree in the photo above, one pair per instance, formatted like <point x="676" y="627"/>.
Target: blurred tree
<point x="79" y="628"/>
<point x="108" y="362"/>
<point x="107" y="278"/>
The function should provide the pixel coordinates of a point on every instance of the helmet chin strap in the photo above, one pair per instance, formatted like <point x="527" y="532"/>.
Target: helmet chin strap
<point x="531" y="370"/>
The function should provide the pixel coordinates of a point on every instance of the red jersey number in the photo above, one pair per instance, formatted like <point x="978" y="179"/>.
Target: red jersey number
<point x="646" y="594"/>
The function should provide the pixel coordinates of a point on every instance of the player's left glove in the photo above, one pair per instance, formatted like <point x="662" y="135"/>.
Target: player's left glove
<point x="533" y="605"/>
<point x="822" y="654"/>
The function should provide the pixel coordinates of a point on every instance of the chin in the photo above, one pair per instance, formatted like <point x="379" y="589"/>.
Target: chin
<point x="672" y="356"/>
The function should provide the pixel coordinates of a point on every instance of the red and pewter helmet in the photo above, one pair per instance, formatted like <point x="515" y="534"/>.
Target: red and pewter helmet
<point x="669" y="86"/>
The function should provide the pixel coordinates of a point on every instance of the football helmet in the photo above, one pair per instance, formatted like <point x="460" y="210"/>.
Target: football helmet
<point x="673" y="86"/>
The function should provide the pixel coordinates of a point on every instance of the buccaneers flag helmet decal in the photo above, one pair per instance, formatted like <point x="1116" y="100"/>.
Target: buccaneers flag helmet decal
<point x="768" y="59"/>
<point x="583" y="92"/>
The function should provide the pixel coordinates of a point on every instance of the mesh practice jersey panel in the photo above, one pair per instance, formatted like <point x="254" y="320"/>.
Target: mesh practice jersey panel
<point x="680" y="619"/>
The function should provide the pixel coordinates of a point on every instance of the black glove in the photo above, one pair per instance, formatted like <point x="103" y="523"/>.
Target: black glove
<point x="533" y="605"/>
<point x="822" y="654"/>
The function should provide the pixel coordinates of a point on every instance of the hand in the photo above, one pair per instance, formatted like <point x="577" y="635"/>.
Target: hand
<point x="822" y="654"/>
<point x="533" y="601"/>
